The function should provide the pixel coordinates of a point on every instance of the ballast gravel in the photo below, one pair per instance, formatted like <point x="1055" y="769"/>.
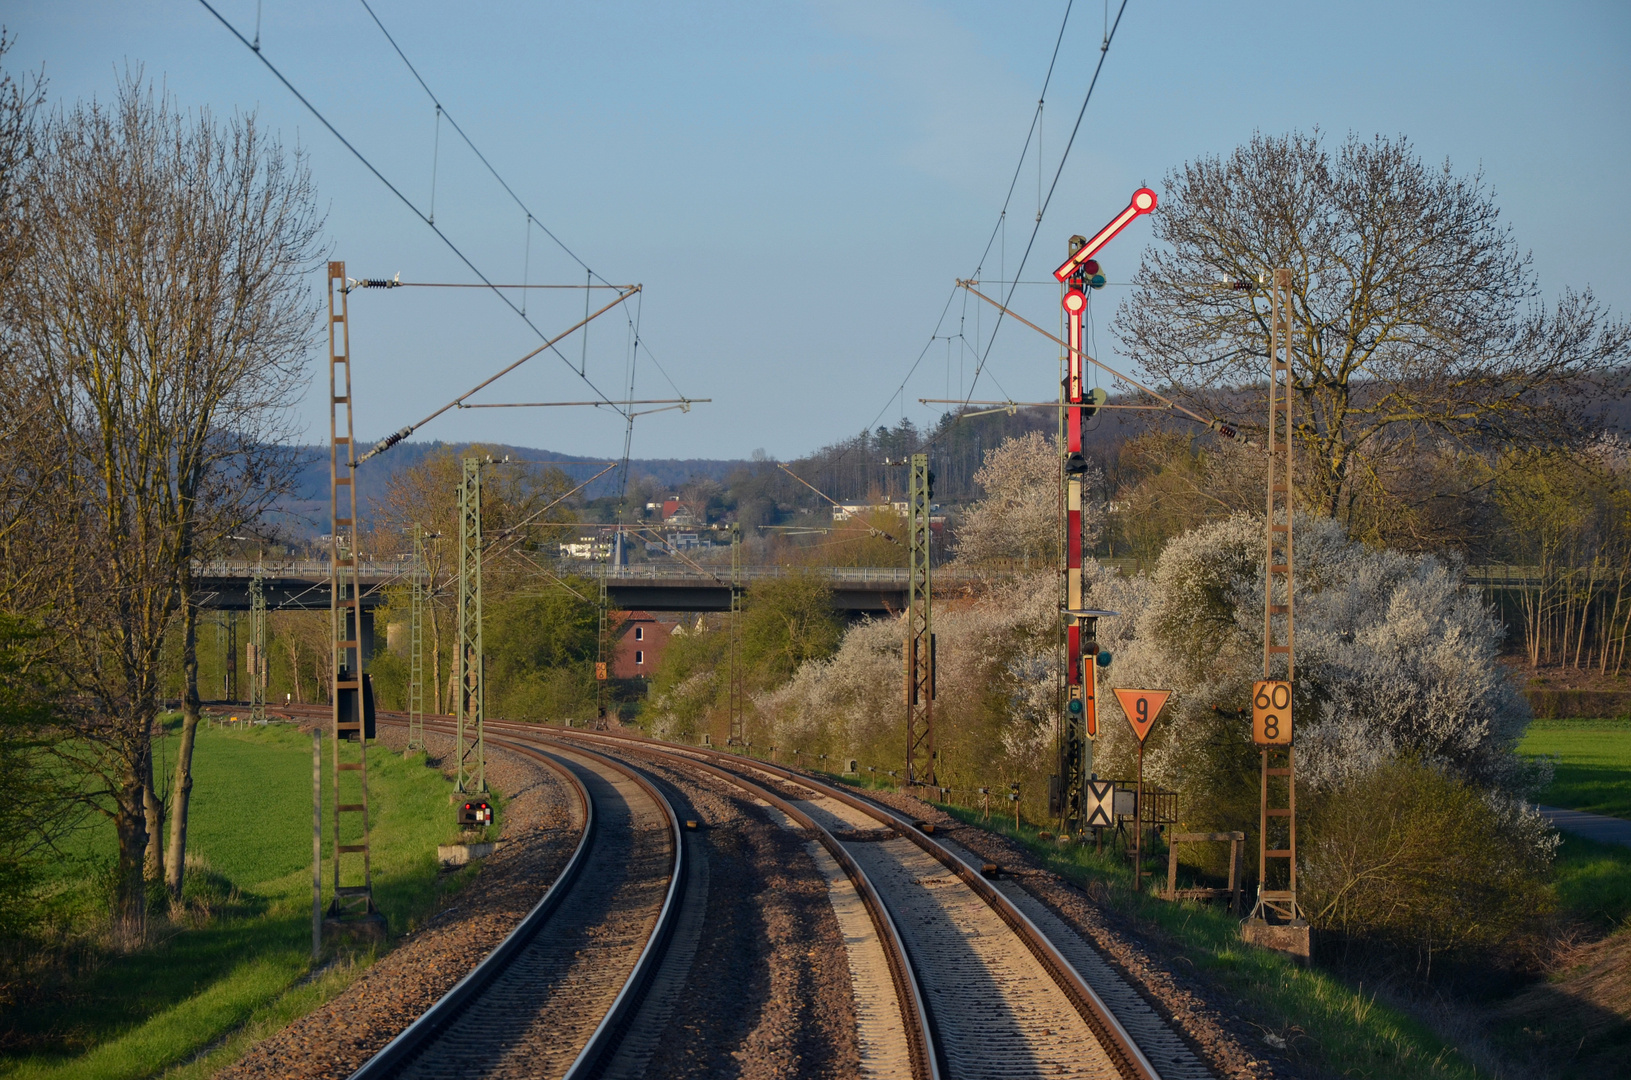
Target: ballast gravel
<point x="1215" y="1030"/>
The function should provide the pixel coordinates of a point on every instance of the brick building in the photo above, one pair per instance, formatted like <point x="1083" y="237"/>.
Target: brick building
<point x="639" y="648"/>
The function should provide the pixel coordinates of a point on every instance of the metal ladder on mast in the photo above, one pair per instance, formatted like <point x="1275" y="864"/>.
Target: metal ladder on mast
<point x="353" y="897"/>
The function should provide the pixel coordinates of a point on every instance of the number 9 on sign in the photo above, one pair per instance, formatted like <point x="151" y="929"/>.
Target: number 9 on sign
<point x="1271" y="713"/>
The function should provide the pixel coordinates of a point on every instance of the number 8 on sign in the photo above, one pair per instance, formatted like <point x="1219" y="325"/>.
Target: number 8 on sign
<point x="1271" y="713"/>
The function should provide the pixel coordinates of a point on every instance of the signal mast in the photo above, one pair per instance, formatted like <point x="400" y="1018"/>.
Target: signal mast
<point x="1079" y="273"/>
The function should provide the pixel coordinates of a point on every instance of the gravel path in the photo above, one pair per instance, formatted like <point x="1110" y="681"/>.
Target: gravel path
<point x="541" y="827"/>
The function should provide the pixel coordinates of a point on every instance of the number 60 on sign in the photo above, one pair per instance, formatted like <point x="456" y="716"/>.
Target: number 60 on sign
<point x="1271" y="713"/>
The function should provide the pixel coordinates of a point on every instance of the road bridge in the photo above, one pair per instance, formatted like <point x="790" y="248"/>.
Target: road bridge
<point x="302" y="585"/>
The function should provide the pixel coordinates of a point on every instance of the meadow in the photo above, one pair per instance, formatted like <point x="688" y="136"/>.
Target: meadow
<point x="238" y="963"/>
<point x="1592" y="763"/>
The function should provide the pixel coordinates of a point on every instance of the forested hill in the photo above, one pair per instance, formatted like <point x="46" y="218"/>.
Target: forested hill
<point x="306" y="512"/>
<point x="849" y="470"/>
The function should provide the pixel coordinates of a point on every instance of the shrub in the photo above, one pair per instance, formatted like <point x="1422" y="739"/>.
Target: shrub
<point x="1415" y="858"/>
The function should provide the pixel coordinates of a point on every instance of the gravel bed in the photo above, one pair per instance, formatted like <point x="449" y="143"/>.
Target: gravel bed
<point x="1213" y="1027"/>
<point x="768" y="994"/>
<point x="541" y="827"/>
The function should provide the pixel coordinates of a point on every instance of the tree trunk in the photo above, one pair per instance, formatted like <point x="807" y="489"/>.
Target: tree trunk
<point x="130" y="890"/>
<point x="181" y="789"/>
<point x="152" y="815"/>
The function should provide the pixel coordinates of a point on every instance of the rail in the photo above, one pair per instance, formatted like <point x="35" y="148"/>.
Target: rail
<point x="1110" y="1031"/>
<point x="446" y="1010"/>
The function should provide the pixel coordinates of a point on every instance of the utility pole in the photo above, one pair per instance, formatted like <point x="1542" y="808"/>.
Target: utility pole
<point x="257" y="649"/>
<point x="738" y="732"/>
<point x="919" y="644"/>
<point x="471" y="747"/>
<point x="602" y="645"/>
<point x="353" y="884"/>
<point x="416" y="646"/>
<point x="1272" y="698"/>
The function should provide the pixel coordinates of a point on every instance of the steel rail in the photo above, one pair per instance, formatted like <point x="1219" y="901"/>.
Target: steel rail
<point x="1104" y="1023"/>
<point x="924" y="1050"/>
<point x="447" y="1009"/>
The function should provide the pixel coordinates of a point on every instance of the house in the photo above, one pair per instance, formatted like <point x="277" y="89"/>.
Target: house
<point x="639" y="648"/>
<point x="588" y="547"/>
<point x="845" y="511"/>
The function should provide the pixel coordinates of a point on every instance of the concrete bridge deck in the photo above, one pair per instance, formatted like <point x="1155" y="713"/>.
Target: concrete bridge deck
<point x="303" y="585"/>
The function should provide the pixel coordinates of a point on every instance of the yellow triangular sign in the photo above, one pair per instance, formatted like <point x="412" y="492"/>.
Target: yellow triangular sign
<point x="1142" y="707"/>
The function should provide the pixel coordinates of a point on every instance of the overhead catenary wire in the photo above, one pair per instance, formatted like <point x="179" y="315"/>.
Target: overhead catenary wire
<point x="397" y="436"/>
<point x="409" y="203"/>
<point x="1002" y="217"/>
<point x="1019" y="271"/>
<point x="532" y="219"/>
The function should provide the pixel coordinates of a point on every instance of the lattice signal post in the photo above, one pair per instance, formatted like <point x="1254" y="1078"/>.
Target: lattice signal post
<point x="1272" y="699"/>
<point x="471" y="749"/>
<point x="353" y="897"/>
<point x="919" y="644"/>
<point x="1077" y="274"/>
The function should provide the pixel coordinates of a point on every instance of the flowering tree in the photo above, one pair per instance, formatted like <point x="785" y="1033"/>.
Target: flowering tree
<point x="1394" y="657"/>
<point x="1019" y="516"/>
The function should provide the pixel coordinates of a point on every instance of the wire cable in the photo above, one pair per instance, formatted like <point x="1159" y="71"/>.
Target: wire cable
<point x="404" y="199"/>
<point x="467" y="141"/>
<point x="1019" y="272"/>
<point x="1002" y="216"/>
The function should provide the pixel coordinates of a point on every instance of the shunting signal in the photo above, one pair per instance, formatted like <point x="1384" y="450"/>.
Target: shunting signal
<point x="473" y="815"/>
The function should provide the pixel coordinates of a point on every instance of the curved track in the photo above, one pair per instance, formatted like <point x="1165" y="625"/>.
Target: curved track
<point x="555" y="1003"/>
<point x="994" y="1010"/>
<point x="970" y="984"/>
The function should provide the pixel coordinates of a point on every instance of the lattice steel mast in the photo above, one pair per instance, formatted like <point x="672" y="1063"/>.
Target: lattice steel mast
<point x="416" y="645"/>
<point x="470" y="749"/>
<point x="257" y="648"/>
<point x="1278" y="637"/>
<point x="738" y="729"/>
<point x="918" y="652"/>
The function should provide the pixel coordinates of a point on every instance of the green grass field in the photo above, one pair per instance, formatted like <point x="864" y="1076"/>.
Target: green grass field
<point x="247" y="970"/>
<point x="1592" y="762"/>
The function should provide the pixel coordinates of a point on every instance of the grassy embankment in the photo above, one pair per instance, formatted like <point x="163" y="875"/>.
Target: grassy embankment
<point x="238" y="966"/>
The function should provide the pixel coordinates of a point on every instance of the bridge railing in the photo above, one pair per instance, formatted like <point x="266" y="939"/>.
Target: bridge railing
<point x="317" y="569"/>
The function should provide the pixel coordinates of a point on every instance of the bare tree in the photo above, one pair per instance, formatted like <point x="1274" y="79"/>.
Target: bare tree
<point x="1416" y="319"/>
<point x="165" y="320"/>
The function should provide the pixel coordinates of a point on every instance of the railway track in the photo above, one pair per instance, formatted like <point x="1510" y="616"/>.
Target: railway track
<point x="1050" y="1007"/>
<point x="554" y="998"/>
<point x="954" y="975"/>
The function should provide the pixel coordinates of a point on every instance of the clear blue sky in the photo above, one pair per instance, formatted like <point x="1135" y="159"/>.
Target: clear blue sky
<point x="798" y="185"/>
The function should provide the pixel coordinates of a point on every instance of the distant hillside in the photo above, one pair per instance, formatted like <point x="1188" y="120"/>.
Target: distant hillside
<point x="305" y="515"/>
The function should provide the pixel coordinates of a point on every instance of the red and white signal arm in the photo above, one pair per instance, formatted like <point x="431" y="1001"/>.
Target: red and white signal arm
<point x="1271" y="712"/>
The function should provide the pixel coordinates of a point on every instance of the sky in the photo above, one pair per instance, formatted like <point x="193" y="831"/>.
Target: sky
<point x="797" y="186"/>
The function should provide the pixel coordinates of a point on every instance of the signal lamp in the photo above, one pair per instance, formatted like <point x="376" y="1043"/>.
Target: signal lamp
<point x="1075" y="707"/>
<point x="1075" y="464"/>
<point x="1104" y="659"/>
